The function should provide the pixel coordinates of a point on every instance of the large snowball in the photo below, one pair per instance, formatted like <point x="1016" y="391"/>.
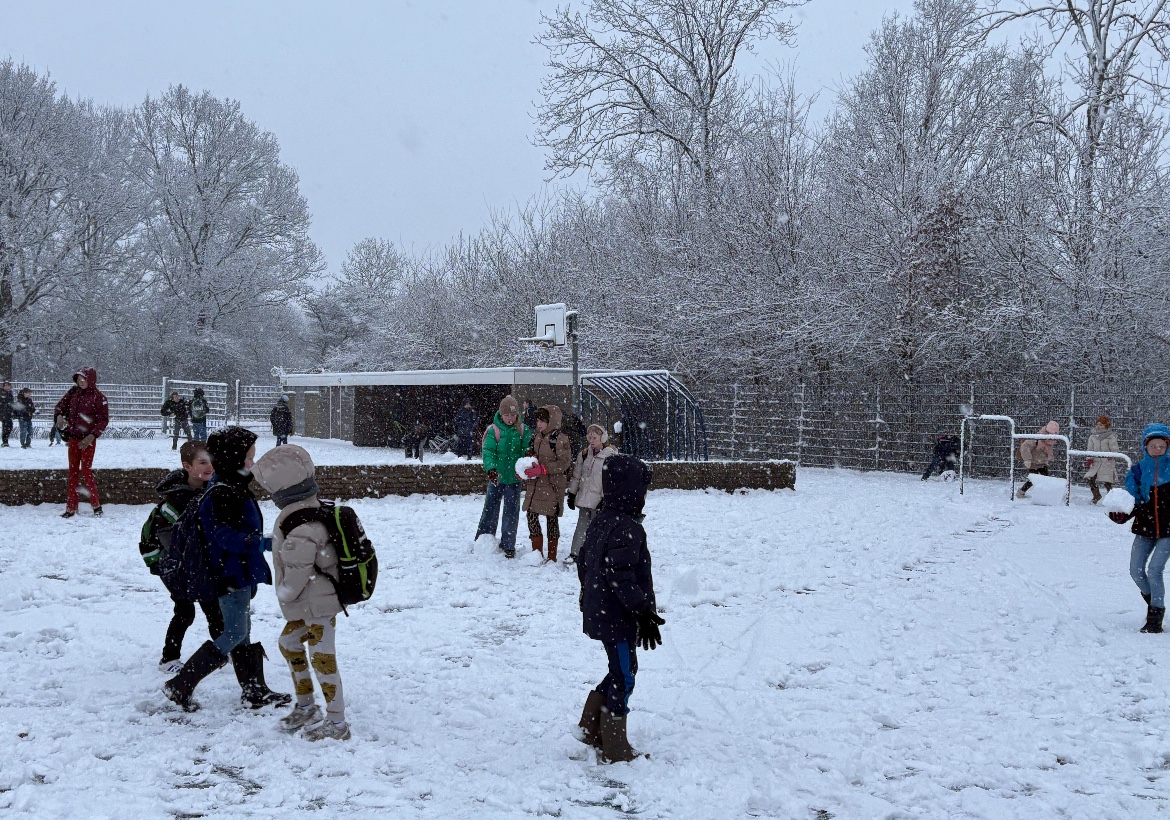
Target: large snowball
<point x="522" y="464"/>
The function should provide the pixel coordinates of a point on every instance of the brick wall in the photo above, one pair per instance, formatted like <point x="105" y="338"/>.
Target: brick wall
<point x="136" y="486"/>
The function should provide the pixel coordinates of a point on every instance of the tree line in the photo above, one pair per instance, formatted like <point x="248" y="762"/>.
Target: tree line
<point x="987" y="199"/>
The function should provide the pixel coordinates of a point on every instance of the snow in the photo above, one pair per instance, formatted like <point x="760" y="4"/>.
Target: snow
<point x="1118" y="500"/>
<point x="1046" y="490"/>
<point x="157" y="452"/>
<point x="523" y="465"/>
<point x="869" y="646"/>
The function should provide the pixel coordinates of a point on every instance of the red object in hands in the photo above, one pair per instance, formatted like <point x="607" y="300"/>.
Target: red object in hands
<point x="1088" y="462"/>
<point x="535" y="471"/>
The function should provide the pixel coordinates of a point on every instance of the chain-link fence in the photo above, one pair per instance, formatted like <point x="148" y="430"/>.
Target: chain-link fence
<point x="868" y="426"/>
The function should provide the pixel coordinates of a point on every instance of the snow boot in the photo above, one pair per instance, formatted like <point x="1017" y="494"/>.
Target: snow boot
<point x="552" y="550"/>
<point x="590" y="723"/>
<point x="538" y="543"/>
<point x="69" y="513"/>
<point x="97" y="512"/>
<point x="248" y="660"/>
<point x="1096" y="493"/>
<point x="206" y="660"/>
<point x="615" y="748"/>
<point x="1154" y="619"/>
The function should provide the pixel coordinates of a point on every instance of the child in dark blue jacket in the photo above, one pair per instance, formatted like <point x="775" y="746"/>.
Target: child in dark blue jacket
<point x="617" y="601"/>
<point x="233" y="526"/>
<point x="1147" y="482"/>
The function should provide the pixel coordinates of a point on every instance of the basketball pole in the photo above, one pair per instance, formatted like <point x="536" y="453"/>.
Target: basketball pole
<point x="571" y="322"/>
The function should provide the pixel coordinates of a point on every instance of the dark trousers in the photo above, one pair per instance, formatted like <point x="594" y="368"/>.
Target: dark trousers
<point x="1037" y="471"/>
<point x="6" y="430"/>
<point x="414" y="448"/>
<point x="176" y="426"/>
<point x="281" y="439"/>
<point x="183" y="618"/>
<point x="465" y="445"/>
<point x="940" y="463"/>
<point x="618" y="684"/>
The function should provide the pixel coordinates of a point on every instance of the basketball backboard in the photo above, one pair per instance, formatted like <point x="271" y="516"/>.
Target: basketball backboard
<point x="550" y="325"/>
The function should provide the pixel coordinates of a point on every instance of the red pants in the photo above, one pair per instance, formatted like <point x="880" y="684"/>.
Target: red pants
<point x="81" y="465"/>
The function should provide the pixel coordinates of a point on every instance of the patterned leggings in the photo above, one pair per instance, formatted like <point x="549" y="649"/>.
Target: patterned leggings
<point x="320" y="636"/>
<point x="554" y="526"/>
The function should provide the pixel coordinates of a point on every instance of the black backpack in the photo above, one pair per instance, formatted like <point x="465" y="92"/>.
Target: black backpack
<point x="183" y="564"/>
<point x="357" y="563"/>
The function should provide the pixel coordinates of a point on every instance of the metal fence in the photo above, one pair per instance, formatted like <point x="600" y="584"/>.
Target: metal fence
<point x="135" y="408"/>
<point x="862" y="425"/>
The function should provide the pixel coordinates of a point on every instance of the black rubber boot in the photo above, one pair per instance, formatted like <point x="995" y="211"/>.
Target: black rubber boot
<point x="615" y="748"/>
<point x="591" y="719"/>
<point x="205" y="661"/>
<point x="1154" y="619"/>
<point x="248" y="660"/>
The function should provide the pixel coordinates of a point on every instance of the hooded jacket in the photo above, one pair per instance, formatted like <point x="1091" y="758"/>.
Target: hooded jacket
<point x="545" y="495"/>
<point x="504" y="445"/>
<point x="230" y="516"/>
<point x="301" y="590"/>
<point x="587" y="472"/>
<point x="86" y="412"/>
<point x="1146" y="481"/>
<point x="282" y="420"/>
<point x="614" y="564"/>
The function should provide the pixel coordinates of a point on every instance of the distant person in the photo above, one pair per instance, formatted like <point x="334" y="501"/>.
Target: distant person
<point x="199" y="411"/>
<point x="529" y="413"/>
<point x="505" y="441"/>
<point x="416" y="437"/>
<point x="547" y="480"/>
<point x="24" y="409"/>
<point x="1036" y="453"/>
<point x="1104" y="470"/>
<point x="6" y="412"/>
<point x="585" y="487"/>
<point x="945" y="456"/>
<point x="179" y="410"/>
<point x="1147" y="482"/>
<point x="466" y="420"/>
<point x="82" y="415"/>
<point x="282" y="421"/>
<point x="177" y="490"/>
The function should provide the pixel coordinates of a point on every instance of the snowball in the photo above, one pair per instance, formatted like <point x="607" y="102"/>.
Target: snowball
<point x="1047" y="491"/>
<point x="617" y="427"/>
<point x="523" y="464"/>
<point x="1118" y="500"/>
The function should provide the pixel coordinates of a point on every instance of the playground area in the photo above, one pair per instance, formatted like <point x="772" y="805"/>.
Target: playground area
<point x="868" y="646"/>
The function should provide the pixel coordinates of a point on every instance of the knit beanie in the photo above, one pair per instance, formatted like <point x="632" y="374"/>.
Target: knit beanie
<point x="508" y="405"/>
<point x="229" y="447"/>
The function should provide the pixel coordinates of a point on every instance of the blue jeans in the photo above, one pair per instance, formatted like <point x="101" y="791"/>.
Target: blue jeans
<point x="618" y="684"/>
<point x="199" y="429"/>
<point x="1149" y="577"/>
<point x="25" y="432"/>
<point x="236" y="608"/>
<point x="510" y="495"/>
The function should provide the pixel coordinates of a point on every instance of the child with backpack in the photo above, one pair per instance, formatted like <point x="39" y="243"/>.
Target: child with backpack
<point x="224" y="529"/>
<point x="544" y="489"/>
<point x="306" y="568"/>
<point x="505" y="441"/>
<point x="177" y="490"/>
<point x="617" y="602"/>
<point x="199" y="410"/>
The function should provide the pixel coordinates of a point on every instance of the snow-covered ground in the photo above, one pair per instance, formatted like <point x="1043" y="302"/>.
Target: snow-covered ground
<point x="157" y="452"/>
<point x="868" y="646"/>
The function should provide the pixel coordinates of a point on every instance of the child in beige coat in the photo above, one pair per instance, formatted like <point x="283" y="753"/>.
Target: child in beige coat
<point x="300" y="561"/>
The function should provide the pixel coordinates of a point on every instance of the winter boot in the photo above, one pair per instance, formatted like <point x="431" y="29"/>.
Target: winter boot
<point x="591" y="719"/>
<point x="248" y="661"/>
<point x="1154" y="619"/>
<point x="206" y="660"/>
<point x="538" y="543"/>
<point x="614" y="746"/>
<point x="552" y="550"/>
<point x="1096" y="492"/>
<point x="97" y="512"/>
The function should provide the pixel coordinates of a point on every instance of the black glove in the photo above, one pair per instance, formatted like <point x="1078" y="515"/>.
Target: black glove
<point x="1119" y="517"/>
<point x="572" y="501"/>
<point x="648" y="635"/>
<point x="493" y="477"/>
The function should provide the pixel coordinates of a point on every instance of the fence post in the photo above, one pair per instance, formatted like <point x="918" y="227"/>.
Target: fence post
<point x="877" y="432"/>
<point x="734" y="417"/>
<point x="164" y="398"/>
<point x="237" y="401"/>
<point x="800" y="427"/>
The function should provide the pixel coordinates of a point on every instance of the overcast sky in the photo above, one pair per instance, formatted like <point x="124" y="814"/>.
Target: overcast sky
<point x="405" y="120"/>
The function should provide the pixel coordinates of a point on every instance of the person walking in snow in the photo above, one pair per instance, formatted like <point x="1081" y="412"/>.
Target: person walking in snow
<point x="301" y="560"/>
<point x="415" y="439"/>
<point x="177" y="490"/>
<point x="230" y="519"/>
<point x="24" y="409"/>
<point x="199" y="411"/>
<point x="82" y="415"/>
<point x="466" y="421"/>
<point x="178" y="409"/>
<point x="945" y="456"/>
<point x="546" y="481"/>
<point x="529" y="413"/>
<point x="1101" y="440"/>
<point x="585" y="487"/>
<point x="1147" y="482"/>
<point x="282" y="421"/>
<point x="1036" y="453"/>
<point x="617" y="602"/>
<point x="7" y="400"/>
<point x="505" y="441"/>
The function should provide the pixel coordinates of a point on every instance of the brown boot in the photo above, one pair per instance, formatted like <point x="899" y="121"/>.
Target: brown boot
<point x="591" y="719"/>
<point x="614" y="746"/>
<point x="552" y="550"/>
<point x="538" y="543"/>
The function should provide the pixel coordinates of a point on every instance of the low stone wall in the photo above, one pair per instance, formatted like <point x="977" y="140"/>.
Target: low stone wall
<point x="136" y="486"/>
